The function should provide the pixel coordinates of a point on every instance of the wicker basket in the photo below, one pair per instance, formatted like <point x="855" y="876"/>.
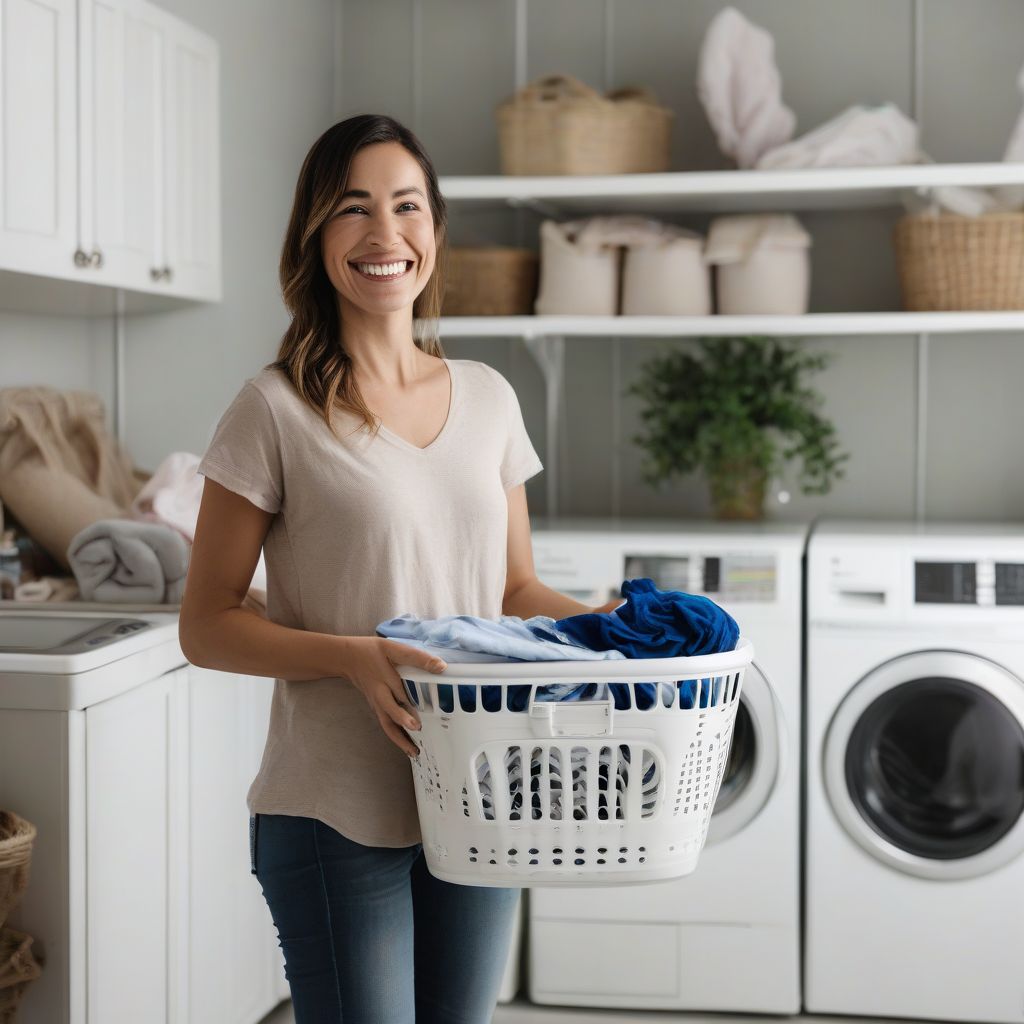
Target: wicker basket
<point x="490" y="282"/>
<point x="559" y="125"/>
<point x="16" y="838"/>
<point x="948" y="261"/>
<point x="18" y="969"/>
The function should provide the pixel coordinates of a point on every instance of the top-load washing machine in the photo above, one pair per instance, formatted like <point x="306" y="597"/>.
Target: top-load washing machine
<point x="915" y="771"/>
<point x="727" y="936"/>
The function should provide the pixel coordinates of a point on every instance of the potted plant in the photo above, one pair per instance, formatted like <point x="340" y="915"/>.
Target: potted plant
<point x="738" y="409"/>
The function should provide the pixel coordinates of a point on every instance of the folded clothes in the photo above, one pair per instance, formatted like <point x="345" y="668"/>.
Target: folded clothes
<point x="120" y="560"/>
<point x="507" y="639"/>
<point x="536" y="639"/>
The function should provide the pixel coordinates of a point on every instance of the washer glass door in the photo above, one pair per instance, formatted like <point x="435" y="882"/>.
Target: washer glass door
<point x="925" y="764"/>
<point x="754" y="762"/>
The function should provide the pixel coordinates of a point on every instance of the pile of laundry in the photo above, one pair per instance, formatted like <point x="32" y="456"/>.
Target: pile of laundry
<point x="651" y="624"/>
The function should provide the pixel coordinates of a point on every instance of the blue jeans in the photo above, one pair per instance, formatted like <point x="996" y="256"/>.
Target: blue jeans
<point x="370" y="936"/>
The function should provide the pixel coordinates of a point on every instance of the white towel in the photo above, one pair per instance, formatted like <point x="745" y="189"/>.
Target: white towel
<point x="859" y="137"/>
<point x="739" y="86"/>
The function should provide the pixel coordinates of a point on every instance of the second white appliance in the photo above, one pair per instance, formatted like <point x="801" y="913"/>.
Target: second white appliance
<point x="726" y="937"/>
<point x="915" y="771"/>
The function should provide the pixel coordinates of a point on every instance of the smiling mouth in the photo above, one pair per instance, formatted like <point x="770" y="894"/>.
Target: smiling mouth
<point x="364" y="270"/>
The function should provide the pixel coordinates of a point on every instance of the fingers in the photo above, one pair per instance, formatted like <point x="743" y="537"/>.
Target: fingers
<point x="398" y="709"/>
<point x="403" y="654"/>
<point x="397" y="736"/>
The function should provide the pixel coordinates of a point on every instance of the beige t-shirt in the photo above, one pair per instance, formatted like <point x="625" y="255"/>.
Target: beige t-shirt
<point x="366" y="528"/>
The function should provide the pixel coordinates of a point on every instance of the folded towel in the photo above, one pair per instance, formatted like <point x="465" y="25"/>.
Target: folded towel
<point x="656" y="624"/>
<point x="858" y="137"/>
<point x="123" y="561"/>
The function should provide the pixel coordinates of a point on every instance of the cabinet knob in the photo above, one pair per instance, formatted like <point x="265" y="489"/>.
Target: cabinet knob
<point x="81" y="258"/>
<point x="168" y="274"/>
<point x="155" y="273"/>
<point x="96" y="258"/>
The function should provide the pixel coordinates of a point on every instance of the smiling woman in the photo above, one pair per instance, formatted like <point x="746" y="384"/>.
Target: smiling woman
<point x="379" y="478"/>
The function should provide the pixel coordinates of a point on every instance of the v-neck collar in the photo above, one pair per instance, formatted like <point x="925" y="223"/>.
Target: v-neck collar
<point x="401" y="442"/>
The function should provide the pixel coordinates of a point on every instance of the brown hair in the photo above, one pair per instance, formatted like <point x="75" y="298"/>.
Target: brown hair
<point x="312" y="352"/>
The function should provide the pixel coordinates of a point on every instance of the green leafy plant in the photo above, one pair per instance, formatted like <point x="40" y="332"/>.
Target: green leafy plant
<point x="737" y="409"/>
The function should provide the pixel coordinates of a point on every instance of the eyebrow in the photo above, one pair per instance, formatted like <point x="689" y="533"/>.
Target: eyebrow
<point x="361" y="193"/>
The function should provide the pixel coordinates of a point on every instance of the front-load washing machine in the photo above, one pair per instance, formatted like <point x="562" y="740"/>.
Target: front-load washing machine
<point x="727" y="936"/>
<point x="915" y="771"/>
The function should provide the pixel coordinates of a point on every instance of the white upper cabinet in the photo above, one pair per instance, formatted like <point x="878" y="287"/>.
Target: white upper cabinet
<point x="37" y="136"/>
<point x="110" y="147"/>
<point x="192" y="165"/>
<point x="121" y="141"/>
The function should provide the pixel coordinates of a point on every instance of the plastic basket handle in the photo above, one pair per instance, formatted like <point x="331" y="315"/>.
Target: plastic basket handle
<point x="572" y="718"/>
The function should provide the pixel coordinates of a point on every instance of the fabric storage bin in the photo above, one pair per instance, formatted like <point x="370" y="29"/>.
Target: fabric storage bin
<point x="575" y="279"/>
<point x="515" y="790"/>
<point x="667" y="279"/>
<point x="558" y="125"/>
<point x="947" y="261"/>
<point x="493" y="281"/>
<point x="762" y="264"/>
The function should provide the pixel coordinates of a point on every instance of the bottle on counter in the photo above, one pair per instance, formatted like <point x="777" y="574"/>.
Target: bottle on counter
<point x="10" y="565"/>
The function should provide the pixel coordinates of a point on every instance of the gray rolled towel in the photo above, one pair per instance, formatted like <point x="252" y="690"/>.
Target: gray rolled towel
<point x="127" y="561"/>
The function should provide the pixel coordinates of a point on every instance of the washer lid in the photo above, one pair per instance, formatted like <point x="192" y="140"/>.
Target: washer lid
<point x="53" y="633"/>
<point x="924" y="764"/>
<point x="755" y="757"/>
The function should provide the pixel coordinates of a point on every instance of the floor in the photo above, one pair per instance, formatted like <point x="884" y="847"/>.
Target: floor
<point x="526" y="1013"/>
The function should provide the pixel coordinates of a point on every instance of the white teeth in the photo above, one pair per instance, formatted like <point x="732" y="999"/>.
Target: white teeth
<point x="382" y="269"/>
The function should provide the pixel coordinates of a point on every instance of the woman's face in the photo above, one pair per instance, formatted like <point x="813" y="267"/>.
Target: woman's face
<point x="378" y="247"/>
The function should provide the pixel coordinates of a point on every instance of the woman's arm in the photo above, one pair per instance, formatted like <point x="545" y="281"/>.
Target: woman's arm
<point x="525" y="595"/>
<point x="214" y="631"/>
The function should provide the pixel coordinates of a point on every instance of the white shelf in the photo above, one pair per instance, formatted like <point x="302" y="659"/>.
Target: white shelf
<point x="820" y="188"/>
<point x="811" y="325"/>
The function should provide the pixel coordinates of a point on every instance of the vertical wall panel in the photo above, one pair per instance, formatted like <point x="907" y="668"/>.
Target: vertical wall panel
<point x="832" y="54"/>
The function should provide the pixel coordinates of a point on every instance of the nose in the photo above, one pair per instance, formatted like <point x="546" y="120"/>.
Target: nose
<point x="382" y="230"/>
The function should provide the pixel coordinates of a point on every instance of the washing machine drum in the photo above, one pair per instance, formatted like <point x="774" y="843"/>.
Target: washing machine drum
<point x="925" y="764"/>
<point x="755" y="756"/>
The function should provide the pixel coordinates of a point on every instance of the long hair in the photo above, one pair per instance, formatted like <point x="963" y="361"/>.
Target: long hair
<point x="312" y="351"/>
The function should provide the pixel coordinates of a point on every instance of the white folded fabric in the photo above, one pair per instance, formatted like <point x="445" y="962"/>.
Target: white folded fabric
<point x="735" y="238"/>
<point x="858" y="137"/>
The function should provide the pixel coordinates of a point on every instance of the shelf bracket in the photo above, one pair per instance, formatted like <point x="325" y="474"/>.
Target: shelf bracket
<point x="548" y="352"/>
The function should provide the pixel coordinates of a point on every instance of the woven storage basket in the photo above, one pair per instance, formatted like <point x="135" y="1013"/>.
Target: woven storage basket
<point x="18" y="969"/>
<point x="516" y="790"/>
<point x="559" y="125"/>
<point x="490" y="282"/>
<point x="948" y="261"/>
<point x="16" y="837"/>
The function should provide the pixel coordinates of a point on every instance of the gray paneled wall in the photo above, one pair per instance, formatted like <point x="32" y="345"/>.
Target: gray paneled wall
<point x="442" y="66"/>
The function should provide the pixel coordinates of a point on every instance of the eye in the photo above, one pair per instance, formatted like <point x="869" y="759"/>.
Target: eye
<point x="348" y="209"/>
<point x="409" y="203"/>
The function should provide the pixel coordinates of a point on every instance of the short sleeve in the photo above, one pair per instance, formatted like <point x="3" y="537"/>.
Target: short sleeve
<point x="244" y="454"/>
<point x="520" y="460"/>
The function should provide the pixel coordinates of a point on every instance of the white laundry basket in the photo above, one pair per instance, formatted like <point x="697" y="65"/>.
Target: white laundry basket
<point x="571" y="792"/>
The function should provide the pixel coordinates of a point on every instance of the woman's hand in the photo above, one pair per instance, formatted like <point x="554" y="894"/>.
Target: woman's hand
<point x="610" y="606"/>
<point x="370" y="665"/>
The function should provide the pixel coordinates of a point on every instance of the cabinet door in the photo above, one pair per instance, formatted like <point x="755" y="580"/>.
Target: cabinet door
<point x="129" y="771"/>
<point x="121" y="141"/>
<point x="192" y="165"/>
<point x="230" y="978"/>
<point x="37" y="136"/>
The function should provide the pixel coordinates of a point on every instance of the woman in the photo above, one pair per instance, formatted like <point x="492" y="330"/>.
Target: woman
<point x="379" y="478"/>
